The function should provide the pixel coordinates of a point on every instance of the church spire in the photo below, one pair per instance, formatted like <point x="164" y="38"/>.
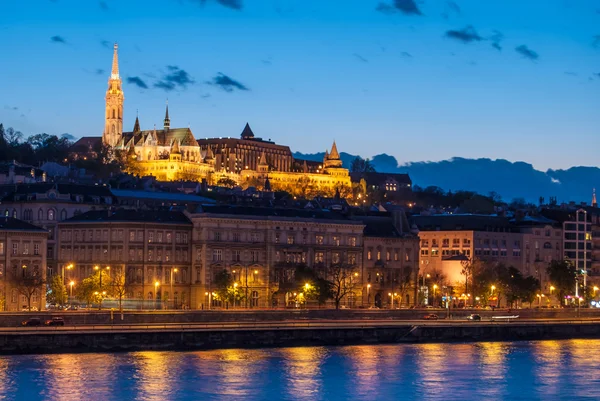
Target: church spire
<point x="115" y="65"/>
<point x="334" y="152"/>
<point x="136" y="126"/>
<point x="594" y="201"/>
<point x="167" y="124"/>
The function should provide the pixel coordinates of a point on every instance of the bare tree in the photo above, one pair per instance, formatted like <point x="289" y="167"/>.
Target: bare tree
<point x="344" y="281"/>
<point x="119" y="287"/>
<point x="27" y="282"/>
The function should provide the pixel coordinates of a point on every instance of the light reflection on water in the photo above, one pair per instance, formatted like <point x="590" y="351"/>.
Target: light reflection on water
<point x="520" y="371"/>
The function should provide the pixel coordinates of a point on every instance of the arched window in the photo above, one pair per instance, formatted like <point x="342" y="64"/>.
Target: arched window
<point x="6" y="213"/>
<point x="40" y="214"/>
<point x="114" y="129"/>
<point x="114" y="112"/>
<point x="50" y="214"/>
<point x="254" y="299"/>
<point x="150" y="295"/>
<point x="63" y="214"/>
<point x="14" y="213"/>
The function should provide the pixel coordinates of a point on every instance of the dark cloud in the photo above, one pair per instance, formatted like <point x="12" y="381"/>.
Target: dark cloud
<point x="527" y="52"/>
<point x="175" y="78"/>
<point x="103" y="5"/>
<point x="58" y="39"/>
<point x="105" y="43"/>
<point x="406" y="55"/>
<point x="596" y="42"/>
<point x="496" y="38"/>
<point x="465" y="35"/>
<point x="408" y="7"/>
<point x="233" y="4"/>
<point x="453" y="6"/>
<point x="137" y="81"/>
<point x="227" y="84"/>
<point x="99" y="71"/>
<point x="360" y="58"/>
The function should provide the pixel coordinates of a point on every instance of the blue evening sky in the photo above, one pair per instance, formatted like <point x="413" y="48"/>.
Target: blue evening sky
<point x="407" y="78"/>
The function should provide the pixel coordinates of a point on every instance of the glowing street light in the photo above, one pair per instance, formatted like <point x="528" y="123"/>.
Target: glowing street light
<point x="71" y="284"/>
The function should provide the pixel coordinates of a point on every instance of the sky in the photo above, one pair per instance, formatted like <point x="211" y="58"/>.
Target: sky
<point x="422" y="80"/>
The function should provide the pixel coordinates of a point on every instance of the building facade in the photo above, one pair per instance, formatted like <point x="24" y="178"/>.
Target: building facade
<point x="47" y="204"/>
<point x="262" y="247"/>
<point x="22" y="255"/>
<point x="151" y="248"/>
<point x="391" y="263"/>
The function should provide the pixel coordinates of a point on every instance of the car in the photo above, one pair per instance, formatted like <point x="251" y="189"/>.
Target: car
<point x="474" y="317"/>
<point x="32" y="322"/>
<point x="55" y="321"/>
<point x="431" y="316"/>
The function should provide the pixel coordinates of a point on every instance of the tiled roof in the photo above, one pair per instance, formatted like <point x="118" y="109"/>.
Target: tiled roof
<point x="11" y="224"/>
<point x="269" y="212"/>
<point x="13" y="192"/>
<point x="123" y="215"/>
<point x="463" y="222"/>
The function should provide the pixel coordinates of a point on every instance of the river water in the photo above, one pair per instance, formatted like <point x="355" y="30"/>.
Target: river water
<point x="541" y="370"/>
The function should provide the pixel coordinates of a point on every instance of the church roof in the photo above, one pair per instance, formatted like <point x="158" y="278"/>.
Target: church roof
<point x="247" y="132"/>
<point x="164" y="138"/>
<point x="334" y="152"/>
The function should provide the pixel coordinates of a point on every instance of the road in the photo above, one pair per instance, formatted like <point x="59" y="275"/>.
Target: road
<point x="283" y="325"/>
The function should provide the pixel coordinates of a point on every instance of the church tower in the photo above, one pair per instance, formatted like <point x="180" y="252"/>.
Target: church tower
<point x="113" y="117"/>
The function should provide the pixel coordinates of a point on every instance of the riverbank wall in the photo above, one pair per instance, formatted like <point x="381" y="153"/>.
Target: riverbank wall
<point x="95" y="317"/>
<point x="187" y="339"/>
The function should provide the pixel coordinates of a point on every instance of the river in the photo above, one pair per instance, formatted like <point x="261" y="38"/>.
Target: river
<point x="540" y="370"/>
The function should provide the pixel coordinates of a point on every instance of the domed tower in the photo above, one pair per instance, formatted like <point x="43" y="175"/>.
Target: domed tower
<point x="113" y="117"/>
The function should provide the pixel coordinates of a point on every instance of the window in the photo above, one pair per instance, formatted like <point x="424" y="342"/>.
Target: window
<point x="25" y="249"/>
<point x="378" y="255"/>
<point x="319" y="239"/>
<point x="424" y="252"/>
<point x="237" y="256"/>
<point x="150" y="255"/>
<point x="217" y="236"/>
<point x="131" y="255"/>
<point x="254" y="256"/>
<point x="159" y="236"/>
<point x="236" y="237"/>
<point x="369" y="255"/>
<point x="1" y="248"/>
<point x="516" y="253"/>
<point x="167" y="255"/>
<point x="425" y="243"/>
<point x="150" y="236"/>
<point x="290" y="239"/>
<point x="435" y="252"/>
<point x="36" y="249"/>
<point x="434" y="242"/>
<point x="277" y="236"/>
<point x="319" y="257"/>
<point x="351" y="258"/>
<point x="198" y="253"/>
<point x="140" y="236"/>
<point x="169" y="238"/>
<point x="336" y="240"/>
<point x="254" y="237"/>
<point x="466" y="242"/>
<point x="388" y="256"/>
<point x="335" y="258"/>
<point x="217" y="255"/>
<point x="445" y="242"/>
<point x="131" y="235"/>
<point x="456" y="242"/>
<point x="15" y="248"/>
<point x="352" y="241"/>
<point x="178" y="238"/>
<point x="51" y="214"/>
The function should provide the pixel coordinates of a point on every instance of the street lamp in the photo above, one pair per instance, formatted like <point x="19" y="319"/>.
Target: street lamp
<point x="156" y="284"/>
<point x="171" y="294"/>
<point x="392" y="298"/>
<point x="369" y="294"/>
<point x="235" y="286"/>
<point x="492" y="294"/>
<point x="434" y="288"/>
<point x="71" y="284"/>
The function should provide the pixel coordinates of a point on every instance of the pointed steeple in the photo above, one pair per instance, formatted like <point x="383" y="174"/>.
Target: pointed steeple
<point x="209" y="154"/>
<point x="136" y="126"/>
<point x="175" y="147"/>
<point x="167" y="123"/>
<point x="114" y="74"/>
<point x="334" y="152"/>
<point x="247" y="132"/>
<point x="267" y="185"/>
<point x="263" y="159"/>
<point x="594" y="201"/>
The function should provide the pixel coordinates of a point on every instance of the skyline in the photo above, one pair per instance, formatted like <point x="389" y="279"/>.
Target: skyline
<point x="466" y="69"/>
